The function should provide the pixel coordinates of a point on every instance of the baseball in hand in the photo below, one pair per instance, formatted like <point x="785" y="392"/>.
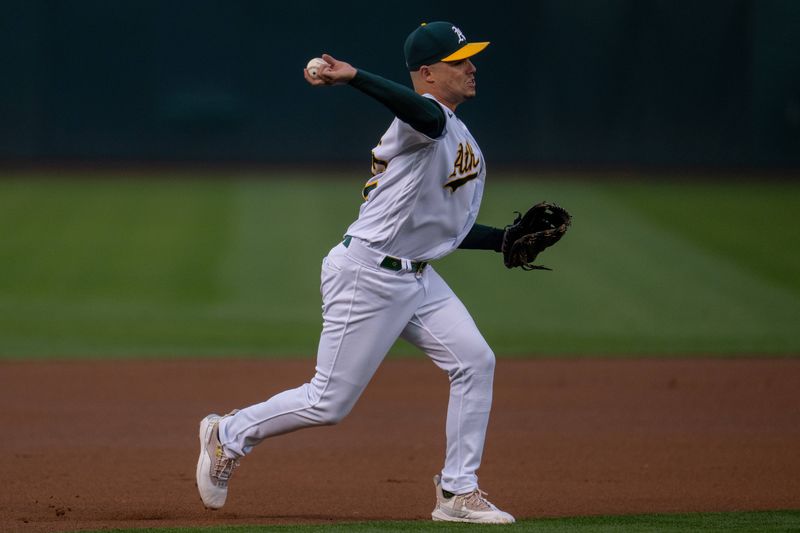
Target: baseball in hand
<point x="314" y="65"/>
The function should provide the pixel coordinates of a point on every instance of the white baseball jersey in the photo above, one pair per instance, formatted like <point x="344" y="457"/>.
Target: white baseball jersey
<point x="425" y="193"/>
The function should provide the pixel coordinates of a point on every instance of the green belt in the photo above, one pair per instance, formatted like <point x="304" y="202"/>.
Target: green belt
<point x="392" y="263"/>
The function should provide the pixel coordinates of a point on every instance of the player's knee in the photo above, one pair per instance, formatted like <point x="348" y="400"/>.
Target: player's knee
<point x="332" y="411"/>
<point x="484" y="362"/>
<point x="480" y="361"/>
<point x="330" y="417"/>
<point x="330" y="404"/>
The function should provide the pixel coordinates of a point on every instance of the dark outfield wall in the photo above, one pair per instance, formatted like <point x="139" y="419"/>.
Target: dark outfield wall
<point x="657" y="82"/>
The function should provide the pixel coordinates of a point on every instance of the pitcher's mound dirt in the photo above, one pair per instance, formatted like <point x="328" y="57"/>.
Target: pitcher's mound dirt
<point x="91" y="445"/>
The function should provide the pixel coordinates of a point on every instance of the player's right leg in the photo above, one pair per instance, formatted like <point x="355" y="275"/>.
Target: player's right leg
<point x="364" y="310"/>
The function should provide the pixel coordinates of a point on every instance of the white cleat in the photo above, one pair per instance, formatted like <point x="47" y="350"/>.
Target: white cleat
<point x="472" y="507"/>
<point x="214" y="469"/>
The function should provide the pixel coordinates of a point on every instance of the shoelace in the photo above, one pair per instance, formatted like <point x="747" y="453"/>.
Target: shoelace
<point x="223" y="466"/>
<point x="477" y="500"/>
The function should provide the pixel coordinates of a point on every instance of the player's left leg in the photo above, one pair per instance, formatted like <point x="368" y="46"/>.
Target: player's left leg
<point x="443" y="328"/>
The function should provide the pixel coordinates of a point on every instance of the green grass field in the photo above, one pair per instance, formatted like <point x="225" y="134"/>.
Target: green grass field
<point x="761" y="522"/>
<point x="122" y="266"/>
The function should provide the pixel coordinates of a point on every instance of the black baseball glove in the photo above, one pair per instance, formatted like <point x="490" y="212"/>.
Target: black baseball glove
<point x="530" y="234"/>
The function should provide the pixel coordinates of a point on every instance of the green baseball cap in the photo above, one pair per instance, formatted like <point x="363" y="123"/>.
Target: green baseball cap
<point x="438" y="41"/>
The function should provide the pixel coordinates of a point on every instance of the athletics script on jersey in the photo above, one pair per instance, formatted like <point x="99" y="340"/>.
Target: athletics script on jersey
<point x="464" y="168"/>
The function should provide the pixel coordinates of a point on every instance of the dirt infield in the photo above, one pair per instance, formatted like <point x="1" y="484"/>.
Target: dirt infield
<point x="90" y="445"/>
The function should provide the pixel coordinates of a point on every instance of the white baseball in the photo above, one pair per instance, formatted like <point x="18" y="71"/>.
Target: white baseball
<point x="314" y="65"/>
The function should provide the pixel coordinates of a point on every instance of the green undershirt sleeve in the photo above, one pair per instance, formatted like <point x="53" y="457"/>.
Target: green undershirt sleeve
<point x="422" y="114"/>
<point x="482" y="237"/>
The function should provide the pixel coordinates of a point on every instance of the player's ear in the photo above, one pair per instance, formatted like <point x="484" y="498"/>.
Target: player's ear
<point x="425" y="74"/>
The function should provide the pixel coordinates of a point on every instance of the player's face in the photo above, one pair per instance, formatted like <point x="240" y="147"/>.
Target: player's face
<point x="455" y="80"/>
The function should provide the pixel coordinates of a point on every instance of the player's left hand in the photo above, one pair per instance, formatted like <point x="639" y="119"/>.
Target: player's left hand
<point x="337" y="73"/>
<point x="530" y="234"/>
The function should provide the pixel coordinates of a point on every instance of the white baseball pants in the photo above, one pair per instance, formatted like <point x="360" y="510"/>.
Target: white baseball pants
<point x="365" y="309"/>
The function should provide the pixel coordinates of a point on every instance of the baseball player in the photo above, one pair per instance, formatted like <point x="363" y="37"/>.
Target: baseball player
<point x="377" y="285"/>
